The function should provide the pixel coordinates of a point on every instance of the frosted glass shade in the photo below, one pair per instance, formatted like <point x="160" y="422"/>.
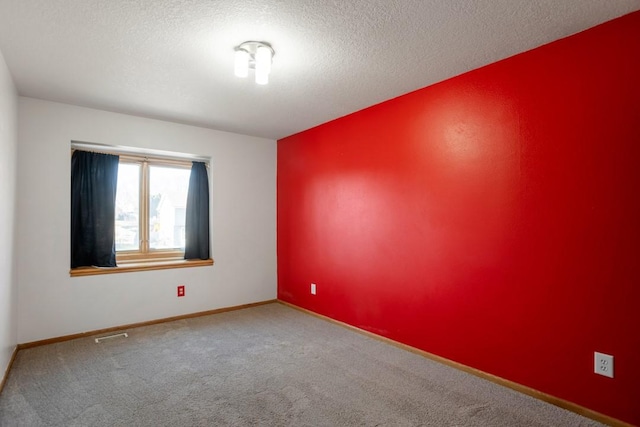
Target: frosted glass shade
<point x="263" y="65"/>
<point x="242" y="63"/>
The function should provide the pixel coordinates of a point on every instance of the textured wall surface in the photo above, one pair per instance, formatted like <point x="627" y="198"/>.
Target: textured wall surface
<point x="8" y="156"/>
<point x="491" y="219"/>
<point x="243" y="218"/>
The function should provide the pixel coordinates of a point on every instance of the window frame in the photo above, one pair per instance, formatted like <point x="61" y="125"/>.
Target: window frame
<point x="158" y="259"/>
<point x="145" y="253"/>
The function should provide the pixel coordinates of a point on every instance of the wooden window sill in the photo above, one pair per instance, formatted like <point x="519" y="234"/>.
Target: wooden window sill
<point x="140" y="266"/>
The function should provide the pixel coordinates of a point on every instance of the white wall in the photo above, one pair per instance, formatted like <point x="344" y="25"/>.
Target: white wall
<point x="8" y="150"/>
<point x="52" y="304"/>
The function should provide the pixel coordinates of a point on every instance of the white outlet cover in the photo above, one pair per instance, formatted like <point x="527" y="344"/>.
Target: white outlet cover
<point x="603" y="364"/>
<point x="313" y="289"/>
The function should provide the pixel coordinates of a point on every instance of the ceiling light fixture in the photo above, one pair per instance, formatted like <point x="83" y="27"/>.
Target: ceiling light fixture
<point x="257" y="56"/>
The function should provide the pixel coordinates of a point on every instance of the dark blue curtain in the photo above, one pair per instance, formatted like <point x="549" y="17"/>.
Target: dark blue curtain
<point x="197" y="215"/>
<point x="94" y="178"/>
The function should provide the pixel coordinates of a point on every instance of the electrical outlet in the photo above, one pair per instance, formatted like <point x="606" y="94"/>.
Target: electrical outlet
<point x="603" y="364"/>
<point x="180" y="290"/>
<point x="313" y="289"/>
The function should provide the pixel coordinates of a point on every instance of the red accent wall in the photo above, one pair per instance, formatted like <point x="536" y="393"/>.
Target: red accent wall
<point x="492" y="219"/>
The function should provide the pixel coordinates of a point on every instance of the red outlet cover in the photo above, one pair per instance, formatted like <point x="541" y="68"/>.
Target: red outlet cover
<point x="181" y="290"/>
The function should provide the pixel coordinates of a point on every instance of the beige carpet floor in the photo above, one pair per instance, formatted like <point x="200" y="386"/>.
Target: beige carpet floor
<point x="264" y="366"/>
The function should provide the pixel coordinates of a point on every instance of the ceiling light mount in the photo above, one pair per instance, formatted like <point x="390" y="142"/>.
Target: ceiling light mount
<point x="257" y="56"/>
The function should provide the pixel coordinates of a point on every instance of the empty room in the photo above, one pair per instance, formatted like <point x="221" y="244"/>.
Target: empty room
<point x="319" y="213"/>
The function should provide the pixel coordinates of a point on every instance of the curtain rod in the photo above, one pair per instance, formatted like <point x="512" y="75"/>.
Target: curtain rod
<point x="118" y="149"/>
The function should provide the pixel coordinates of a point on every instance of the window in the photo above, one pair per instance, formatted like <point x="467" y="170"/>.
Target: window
<point x="151" y="202"/>
<point x="156" y="210"/>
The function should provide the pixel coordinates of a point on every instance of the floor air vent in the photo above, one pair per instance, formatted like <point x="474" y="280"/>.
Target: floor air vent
<point x="124" y="334"/>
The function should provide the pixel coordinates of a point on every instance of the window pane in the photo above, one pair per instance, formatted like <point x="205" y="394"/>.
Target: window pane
<point x="167" y="204"/>
<point x="128" y="207"/>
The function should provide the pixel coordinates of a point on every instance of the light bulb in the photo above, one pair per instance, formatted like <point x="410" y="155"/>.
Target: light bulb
<point x="263" y="64"/>
<point x="262" y="78"/>
<point x="263" y="59"/>
<point x="242" y="63"/>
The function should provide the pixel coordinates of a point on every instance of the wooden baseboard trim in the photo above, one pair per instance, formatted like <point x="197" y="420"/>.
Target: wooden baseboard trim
<point x="6" y="372"/>
<point x="565" y="404"/>
<point x="139" y="324"/>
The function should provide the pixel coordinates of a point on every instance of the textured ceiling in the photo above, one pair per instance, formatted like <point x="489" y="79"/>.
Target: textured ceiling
<point x="173" y="59"/>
